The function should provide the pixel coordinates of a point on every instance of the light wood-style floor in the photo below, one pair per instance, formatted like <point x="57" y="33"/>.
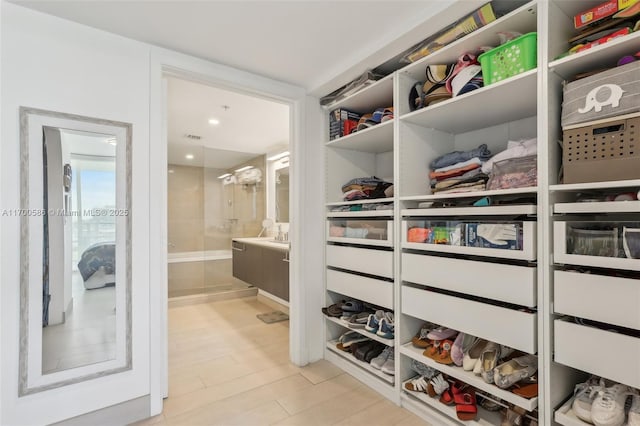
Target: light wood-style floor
<point x="226" y="367"/>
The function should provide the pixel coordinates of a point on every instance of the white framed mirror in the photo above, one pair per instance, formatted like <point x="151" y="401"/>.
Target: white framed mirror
<point x="75" y="283"/>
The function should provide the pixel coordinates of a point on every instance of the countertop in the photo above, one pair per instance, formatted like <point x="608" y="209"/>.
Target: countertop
<point x="265" y="242"/>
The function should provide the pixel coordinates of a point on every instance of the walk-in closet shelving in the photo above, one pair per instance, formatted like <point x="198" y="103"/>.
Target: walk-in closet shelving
<point x="584" y="287"/>
<point x="360" y="264"/>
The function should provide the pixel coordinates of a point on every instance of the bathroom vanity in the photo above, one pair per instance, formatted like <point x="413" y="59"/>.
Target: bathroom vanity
<point x="263" y="263"/>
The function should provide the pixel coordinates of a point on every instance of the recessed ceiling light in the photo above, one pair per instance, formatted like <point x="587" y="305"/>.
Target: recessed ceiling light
<point x="214" y="121"/>
<point x="242" y="169"/>
<point x="226" y="175"/>
<point x="189" y="156"/>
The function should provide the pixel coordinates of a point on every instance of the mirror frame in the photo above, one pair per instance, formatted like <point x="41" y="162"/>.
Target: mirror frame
<point x="29" y="381"/>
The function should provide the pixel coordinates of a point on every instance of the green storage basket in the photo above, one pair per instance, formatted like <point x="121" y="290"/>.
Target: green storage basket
<point x="512" y="58"/>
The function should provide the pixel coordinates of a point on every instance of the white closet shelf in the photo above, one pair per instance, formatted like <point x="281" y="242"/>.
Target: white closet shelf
<point x="468" y="377"/>
<point x="331" y="345"/>
<point x="375" y="95"/>
<point x="596" y="57"/>
<point x="360" y="214"/>
<point x="566" y="417"/>
<point x="632" y="183"/>
<point x="598" y="207"/>
<point x="484" y="417"/>
<point x="475" y="194"/>
<point x="528" y="209"/>
<point x="481" y="108"/>
<point x="365" y="333"/>
<point x="367" y="201"/>
<point x="376" y="139"/>
<point x="522" y="19"/>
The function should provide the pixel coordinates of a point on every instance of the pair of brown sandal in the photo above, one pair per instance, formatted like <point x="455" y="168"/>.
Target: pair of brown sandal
<point x="440" y="351"/>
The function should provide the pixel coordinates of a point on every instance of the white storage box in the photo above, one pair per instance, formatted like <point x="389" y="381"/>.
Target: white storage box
<point x="507" y="283"/>
<point x="506" y="326"/>
<point x="369" y="261"/>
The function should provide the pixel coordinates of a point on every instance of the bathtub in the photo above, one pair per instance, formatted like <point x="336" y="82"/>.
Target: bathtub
<point x="195" y="272"/>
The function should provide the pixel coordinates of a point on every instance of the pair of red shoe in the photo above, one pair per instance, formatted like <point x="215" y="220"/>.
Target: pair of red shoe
<point x="464" y="397"/>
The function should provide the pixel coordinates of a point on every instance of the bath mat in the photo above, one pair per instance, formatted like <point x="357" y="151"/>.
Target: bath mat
<point x="271" y="317"/>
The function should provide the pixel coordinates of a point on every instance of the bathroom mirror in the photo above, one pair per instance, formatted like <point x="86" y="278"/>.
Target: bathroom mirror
<point x="282" y="194"/>
<point x="75" y="284"/>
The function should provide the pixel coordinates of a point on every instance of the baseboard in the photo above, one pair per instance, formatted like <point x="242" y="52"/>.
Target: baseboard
<point x="121" y="414"/>
<point x="273" y="301"/>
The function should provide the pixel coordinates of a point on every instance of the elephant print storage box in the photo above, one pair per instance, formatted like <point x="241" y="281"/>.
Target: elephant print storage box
<point x="601" y="125"/>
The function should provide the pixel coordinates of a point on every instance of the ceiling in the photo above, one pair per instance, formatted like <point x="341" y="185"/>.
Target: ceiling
<point x="314" y="44"/>
<point x="248" y="125"/>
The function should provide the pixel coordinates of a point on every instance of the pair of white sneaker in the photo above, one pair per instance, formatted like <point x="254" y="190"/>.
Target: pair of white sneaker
<point x="604" y="406"/>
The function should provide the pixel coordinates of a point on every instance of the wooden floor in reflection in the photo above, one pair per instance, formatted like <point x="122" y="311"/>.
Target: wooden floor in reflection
<point x="88" y="334"/>
<point x="226" y="367"/>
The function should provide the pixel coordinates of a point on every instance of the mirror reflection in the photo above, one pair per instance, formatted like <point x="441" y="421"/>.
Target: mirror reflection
<point x="79" y="262"/>
<point x="75" y="249"/>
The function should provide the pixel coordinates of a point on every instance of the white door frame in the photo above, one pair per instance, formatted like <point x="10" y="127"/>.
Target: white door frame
<point x="164" y="62"/>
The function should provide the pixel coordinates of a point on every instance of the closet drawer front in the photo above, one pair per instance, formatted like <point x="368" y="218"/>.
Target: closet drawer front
<point x="369" y="261"/>
<point x="575" y="244"/>
<point x="371" y="232"/>
<point x="370" y="290"/>
<point x="507" y="283"/>
<point x="501" y="325"/>
<point x="604" y="353"/>
<point x="582" y="295"/>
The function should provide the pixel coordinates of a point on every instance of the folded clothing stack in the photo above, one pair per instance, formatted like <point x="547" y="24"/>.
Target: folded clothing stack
<point x="459" y="171"/>
<point x="365" y="188"/>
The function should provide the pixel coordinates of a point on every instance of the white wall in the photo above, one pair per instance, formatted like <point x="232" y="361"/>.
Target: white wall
<point x="57" y="65"/>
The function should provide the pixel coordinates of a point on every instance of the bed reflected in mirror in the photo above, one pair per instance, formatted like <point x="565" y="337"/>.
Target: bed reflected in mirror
<point x="78" y="316"/>
<point x="75" y="288"/>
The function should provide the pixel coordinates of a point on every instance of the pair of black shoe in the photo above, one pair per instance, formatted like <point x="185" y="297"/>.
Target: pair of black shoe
<point x="366" y="351"/>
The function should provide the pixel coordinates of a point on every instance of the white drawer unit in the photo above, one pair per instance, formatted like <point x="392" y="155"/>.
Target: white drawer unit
<point x="613" y="245"/>
<point x="509" y="327"/>
<point x="603" y="353"/>
<point x="377" y="292"/>
<point x="588" y="295"/>
<point x="369" y="261"/>
<point x="372" y="232"/>
<point x="457" y="239"/>
<point x="507" y="283"/>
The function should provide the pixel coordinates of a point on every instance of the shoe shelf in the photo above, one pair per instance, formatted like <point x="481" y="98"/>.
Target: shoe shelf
<point x="331" y="345"/>
<point x="372" y="336"/>
<point x="580" y="347"/>
<point x="506" y="210"/>
<point x="475" y="194"/>
<point x="484" y="417"/>
<point x="484" y="107"/>
<point x="474" y="317"/>
<point x="528" y="251"/>
<point x="375" y="139"/>
<point x="521" y="19"/>
<point x="468" y="377"/>
<point x="368" y="289"/>
<point x="566" y="417"/>
<point x="600" y="56"/>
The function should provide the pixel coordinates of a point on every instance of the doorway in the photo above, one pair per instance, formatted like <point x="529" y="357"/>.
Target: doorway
<point x="227" y="179"/>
